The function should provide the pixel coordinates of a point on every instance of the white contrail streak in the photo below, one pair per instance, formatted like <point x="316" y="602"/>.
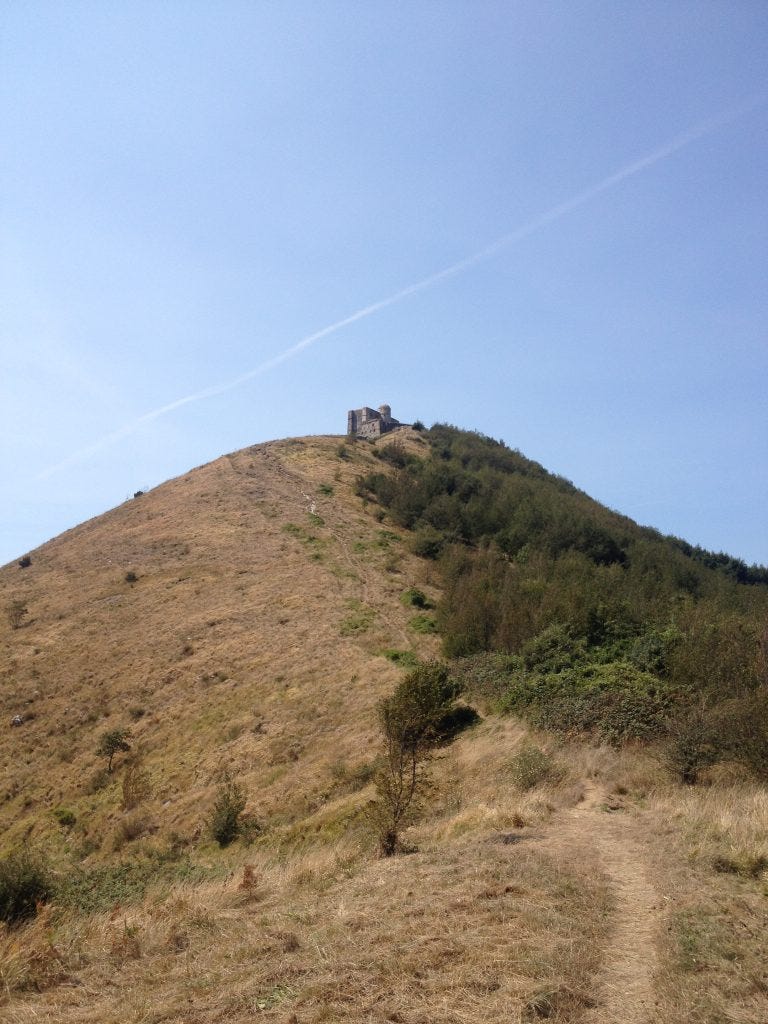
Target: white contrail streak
<point x="480" y="256"/>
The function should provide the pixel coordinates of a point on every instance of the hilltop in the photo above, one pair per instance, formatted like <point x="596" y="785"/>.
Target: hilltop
<point x="244" y="620"/>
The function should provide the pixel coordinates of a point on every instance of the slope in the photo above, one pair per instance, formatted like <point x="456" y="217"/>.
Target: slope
<point x="551" y="879"/>
<point x="263" y="598"/>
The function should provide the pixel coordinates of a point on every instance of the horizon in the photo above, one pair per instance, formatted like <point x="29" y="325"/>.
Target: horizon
<point x="227" y="227"/>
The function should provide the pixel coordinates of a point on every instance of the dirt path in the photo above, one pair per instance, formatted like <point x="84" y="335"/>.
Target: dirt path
<point x="625" y="992"/>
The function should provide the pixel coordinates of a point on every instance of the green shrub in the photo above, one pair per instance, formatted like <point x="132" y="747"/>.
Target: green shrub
<point x="359" y="620"/>
<point x="416" y="598"/>
<point x="405" y="659"/>
<point x="423" y="624"/>
<point x="693" y="746"/>
<point x="613" y="702"/>
<point x="65" y="817"/>
<point x="25" y="882"/>
<point x="224" y="823"/>
<point x="427" y="542"/>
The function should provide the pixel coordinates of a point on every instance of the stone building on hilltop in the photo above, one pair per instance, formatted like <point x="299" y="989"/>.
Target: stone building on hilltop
<point x="371" y="423"/>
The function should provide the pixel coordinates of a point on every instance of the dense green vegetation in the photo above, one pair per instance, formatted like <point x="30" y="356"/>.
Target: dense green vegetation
<point x="605" y="626"/>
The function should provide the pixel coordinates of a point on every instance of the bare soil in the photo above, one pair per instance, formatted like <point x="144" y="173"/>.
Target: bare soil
<point x="600" y="832"/>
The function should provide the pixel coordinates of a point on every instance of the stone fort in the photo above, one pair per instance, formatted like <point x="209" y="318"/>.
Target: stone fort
<point x="371" y="423"/>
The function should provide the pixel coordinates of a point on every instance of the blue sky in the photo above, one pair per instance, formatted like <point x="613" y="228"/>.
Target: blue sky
<point x="188" y="190"/>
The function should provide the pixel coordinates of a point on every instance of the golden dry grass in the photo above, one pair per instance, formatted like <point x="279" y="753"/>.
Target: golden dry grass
<point x="251" y="642"/>
<point x="228" y="651"/>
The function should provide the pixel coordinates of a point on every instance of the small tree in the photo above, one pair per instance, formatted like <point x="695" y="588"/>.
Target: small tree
<point x="410" y="725"/>
<point x="113" y="742"/>
<point x="230" y="802"/>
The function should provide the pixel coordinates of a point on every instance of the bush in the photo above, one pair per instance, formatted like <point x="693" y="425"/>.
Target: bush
<point x="17" y="612"/>
<point x="416" y="598"/>
<point x="25" y="562"/>
<point x="136" y="785"/>
<point x="693" y="746"/>
<point x="427" y="543"/>
<point x="129" y="828"/>
<point x="532" y="766"/>
<point x="418" y="425"/>
<point x="613" y="702"/>
<point x="25" y="881"/>
<point x="224" y="823"/>
<point x="65" y="817"/>
<point x="130" y="576"/>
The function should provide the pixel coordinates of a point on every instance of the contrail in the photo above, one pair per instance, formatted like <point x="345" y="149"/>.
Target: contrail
<point x="480" y="256"/>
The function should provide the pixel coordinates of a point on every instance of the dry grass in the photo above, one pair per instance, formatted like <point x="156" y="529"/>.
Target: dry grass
<point x="250" y="642"/>
<point x="473" y="931"/>
<point x="227" y="651"/>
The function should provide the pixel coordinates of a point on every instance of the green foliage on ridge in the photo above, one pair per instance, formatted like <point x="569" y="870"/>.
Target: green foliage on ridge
<point x="607" y="626"/>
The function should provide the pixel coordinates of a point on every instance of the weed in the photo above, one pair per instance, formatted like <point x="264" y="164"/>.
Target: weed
<point x="65" y="817"/>
<point x="130" y="828"/>
<point x="423" y="624"/>
<point x="748" y="865"/>
<point x="136" y="785"/>
<point x="130" y="576"/>
<point x="531" y="767"/>
<point x="350" y="780"/>
<point x="359" y="621"/>
<point x="325" y="489"/>
<point x="17" y="613"/>
<point x="25" y="882"/>
<point x="405" y="659"/>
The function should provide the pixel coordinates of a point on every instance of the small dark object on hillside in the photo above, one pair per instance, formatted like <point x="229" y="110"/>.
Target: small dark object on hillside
<point x="25" y="562"/>
<point x="224" y="823"/>
<point x="510" y="838"/>
<point x="131" y="577"/>
<point x="113" y="742"/>
<point x="138" y="494"/>
<point x="25" y="883"/>
<point x="17" y="612"/>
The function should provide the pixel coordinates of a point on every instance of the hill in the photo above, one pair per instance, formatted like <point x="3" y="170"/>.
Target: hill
<point x="243" y="621"/>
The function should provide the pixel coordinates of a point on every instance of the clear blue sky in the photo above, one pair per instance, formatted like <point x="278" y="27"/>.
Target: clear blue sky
<point x="188" y="190"/>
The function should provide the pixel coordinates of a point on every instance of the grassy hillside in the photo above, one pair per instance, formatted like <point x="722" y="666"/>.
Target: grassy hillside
<point x="243" y="621"/>
<point x="607" y="627"/>
<point x="238" y="616"/>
